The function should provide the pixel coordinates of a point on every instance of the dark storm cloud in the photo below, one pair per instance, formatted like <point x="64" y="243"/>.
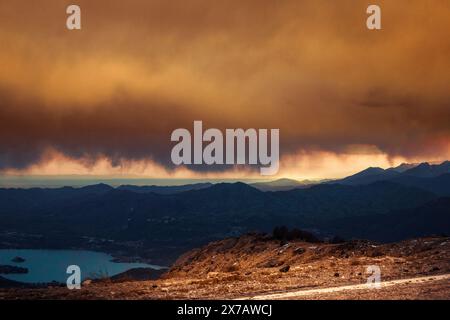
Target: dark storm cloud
<point x="139" y="70"/>
<point x="124" y="128"/>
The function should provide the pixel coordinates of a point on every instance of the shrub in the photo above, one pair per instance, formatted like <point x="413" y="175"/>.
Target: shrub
<point x="283" y="234"/>
<point x="280" y="233"/>
<point x="337" y="240"/>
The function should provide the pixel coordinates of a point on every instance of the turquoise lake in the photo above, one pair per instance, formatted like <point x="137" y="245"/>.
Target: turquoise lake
<point x="51" y="265"/>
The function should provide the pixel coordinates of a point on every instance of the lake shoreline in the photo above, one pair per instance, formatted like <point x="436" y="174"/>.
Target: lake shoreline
<point x="122" y="252"/>
<point x="119" y="256"/>
<point x="49" y="266"/>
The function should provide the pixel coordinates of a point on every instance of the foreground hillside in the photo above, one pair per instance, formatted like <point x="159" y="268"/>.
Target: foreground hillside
<point x="259" y="265"/>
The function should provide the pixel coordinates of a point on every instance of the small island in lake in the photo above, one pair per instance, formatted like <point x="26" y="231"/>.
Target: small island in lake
<point x="18" y="260"/>
<point x="6" y="269"/>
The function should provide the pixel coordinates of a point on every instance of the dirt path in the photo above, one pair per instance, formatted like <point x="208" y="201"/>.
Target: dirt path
<point x="383" y="284"/>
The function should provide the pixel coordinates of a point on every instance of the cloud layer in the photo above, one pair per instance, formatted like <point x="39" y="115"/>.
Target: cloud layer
<point x="137" y="71"/>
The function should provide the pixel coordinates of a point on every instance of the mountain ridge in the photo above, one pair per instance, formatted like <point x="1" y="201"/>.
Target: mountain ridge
<point x="371" y="174"/>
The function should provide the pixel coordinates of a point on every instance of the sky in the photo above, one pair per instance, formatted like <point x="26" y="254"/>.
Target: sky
<point x="105" y="99"/>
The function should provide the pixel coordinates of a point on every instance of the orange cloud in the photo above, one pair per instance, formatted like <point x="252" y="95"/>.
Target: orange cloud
<point x="136" y="71"/>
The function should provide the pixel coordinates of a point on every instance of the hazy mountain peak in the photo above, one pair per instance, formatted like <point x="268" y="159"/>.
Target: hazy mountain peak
<point x="234" y="185"/>
<point x="279" y="184"/>
<point x="368" y="171"/>
<point x="403" y="167"/>
<point x="429" y="170"/>
<point x="373" y="169"/>
<point x="98" y="187"/>
<point x="283" y="182"/>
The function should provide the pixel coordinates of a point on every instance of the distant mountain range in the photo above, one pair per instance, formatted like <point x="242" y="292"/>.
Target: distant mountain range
<point x="406" y="173"/>
<point x="378" y="204"/>
<point x="422" y="170"/>
<point x="283" y="184"/>
<point x="165" y="189"/>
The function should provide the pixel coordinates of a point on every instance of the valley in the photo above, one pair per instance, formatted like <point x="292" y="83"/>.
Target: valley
<point x="156" y="224"/>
